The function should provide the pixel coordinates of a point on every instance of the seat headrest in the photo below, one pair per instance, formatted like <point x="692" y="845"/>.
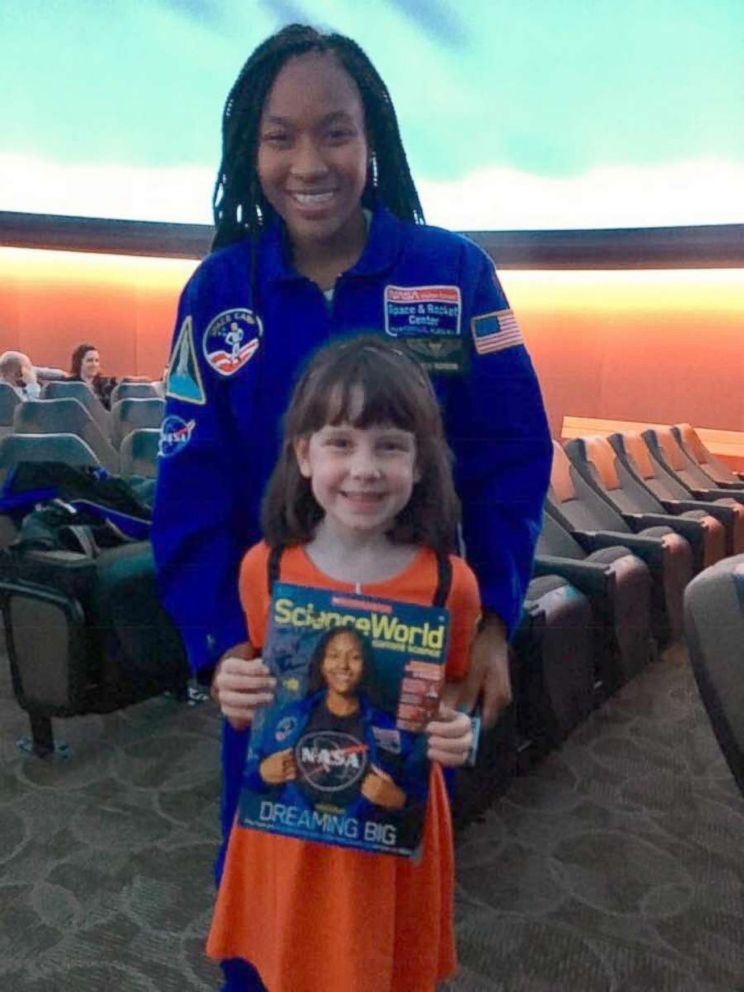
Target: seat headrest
<point x="672" y="451"/>
<point x="635" y="446"/>
<point x="599" y="452"/>
<point x="560" y="475"/>
<point x="693" y="442"/>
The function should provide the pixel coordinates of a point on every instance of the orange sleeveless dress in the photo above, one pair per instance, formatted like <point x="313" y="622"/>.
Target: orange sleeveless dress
<point x="313" y="917"/>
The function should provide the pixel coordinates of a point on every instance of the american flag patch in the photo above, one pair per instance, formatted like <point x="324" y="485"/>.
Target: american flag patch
<point x="495" y="331"/>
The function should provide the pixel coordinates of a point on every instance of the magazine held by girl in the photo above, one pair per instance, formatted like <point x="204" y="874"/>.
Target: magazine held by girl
<point x="340" y="756"/>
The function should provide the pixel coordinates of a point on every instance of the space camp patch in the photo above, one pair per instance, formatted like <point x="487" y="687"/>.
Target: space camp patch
<point x="231" y="340"/>
<point x="495" y="331"/>
<point x="422" y="310"/>
<point x="184" y="380"/>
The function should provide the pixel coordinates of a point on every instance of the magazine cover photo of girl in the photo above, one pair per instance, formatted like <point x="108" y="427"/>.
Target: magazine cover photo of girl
<point x="335" y="748"/>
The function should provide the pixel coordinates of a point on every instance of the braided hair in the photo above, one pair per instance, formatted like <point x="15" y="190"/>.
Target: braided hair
<point x="239" y="205"/>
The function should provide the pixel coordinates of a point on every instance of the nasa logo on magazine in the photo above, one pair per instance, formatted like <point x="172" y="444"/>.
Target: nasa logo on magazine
<point x="329" y="760"/>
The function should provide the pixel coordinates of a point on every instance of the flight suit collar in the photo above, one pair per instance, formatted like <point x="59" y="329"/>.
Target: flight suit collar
<point x="380" y="252"/>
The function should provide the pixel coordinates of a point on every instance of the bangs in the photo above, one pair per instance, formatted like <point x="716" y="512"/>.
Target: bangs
<point x="365" y="381"/>
<point x="370" y="387"/>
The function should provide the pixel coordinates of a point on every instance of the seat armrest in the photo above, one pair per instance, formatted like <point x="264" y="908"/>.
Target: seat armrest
<point x="713" y="494"/>
<point x="681" y="505"/>
<point x="725" y="484"/>
<point x="692" y="529"/>
<point x="589" y="577"/>
<point x="48" y="670"/>
<point x="647" y="548"/>
<point x="726" y="514"/>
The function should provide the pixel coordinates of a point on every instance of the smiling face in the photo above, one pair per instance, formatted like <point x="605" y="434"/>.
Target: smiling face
<point x="361" y="477"/>
<point x="313" y="152"/>
<point x="342" y="666"/>
<point x="90" y="365"/>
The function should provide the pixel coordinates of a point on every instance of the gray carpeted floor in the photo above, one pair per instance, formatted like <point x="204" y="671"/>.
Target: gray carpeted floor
<point x="615" y="866"/>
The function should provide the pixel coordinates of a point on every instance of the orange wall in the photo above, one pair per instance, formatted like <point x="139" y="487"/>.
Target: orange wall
<point x="51" y="301"/>
<point x="659" y="346"/>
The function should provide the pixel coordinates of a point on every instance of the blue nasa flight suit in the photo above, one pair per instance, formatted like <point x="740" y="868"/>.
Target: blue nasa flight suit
<point x="240" y="340"/>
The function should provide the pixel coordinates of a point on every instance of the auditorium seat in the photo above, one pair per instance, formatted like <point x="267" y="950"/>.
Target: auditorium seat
<point x="714" y="625"/>
<point x="595" y="523"/>
<point x="138" y="453"/>
<point x="551" y="668"/>
<point x="618" y="587"/>
<point x="553" y="672"/>
<point x="67" y="448"/>
<point x="69" y="417"/>
<point x="726" y="505"/>
<point x="666" y="447"/>
<point x="133" y="390"/>
<point x="598" y="462"/>
<point x="634" y="452"/>
<point x="9" y="400"/>
<point x="720" y="473"/>
<point x="86" y="635"/>
<point x="59" y="390"/>
<point x="17" y="448"/>
<point x="132" y="413"/>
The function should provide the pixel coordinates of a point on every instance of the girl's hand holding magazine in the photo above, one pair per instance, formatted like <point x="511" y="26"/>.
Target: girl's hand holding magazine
<point x="240" y="685"/>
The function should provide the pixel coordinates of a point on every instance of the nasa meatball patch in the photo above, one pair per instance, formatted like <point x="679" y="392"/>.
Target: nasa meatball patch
<point x="231" y="340"/>
<point x="175" y="434"/>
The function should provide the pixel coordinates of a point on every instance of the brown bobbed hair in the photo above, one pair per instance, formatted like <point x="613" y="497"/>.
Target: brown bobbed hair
<point x="396" y="390"/>
<point x="76" y="362"/>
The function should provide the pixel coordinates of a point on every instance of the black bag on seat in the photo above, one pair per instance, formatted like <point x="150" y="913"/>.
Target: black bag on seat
<point x="85" y="629"/>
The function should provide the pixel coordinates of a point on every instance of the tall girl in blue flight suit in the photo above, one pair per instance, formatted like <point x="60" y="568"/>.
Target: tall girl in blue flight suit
<point x="319" y="232"/>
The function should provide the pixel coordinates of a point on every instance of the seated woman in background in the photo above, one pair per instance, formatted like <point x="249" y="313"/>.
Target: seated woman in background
<point x="85" y="366"/>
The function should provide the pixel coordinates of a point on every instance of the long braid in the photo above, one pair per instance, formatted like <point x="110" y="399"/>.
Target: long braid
<point x="239" y="206"/>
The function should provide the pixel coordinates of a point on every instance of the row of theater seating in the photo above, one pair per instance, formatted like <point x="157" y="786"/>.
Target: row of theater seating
<point x="614" y="559"/>
<point x="70" y="424"/>
<point x="628" y="521"/>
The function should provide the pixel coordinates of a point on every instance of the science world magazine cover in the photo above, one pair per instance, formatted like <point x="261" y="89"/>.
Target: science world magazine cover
<point x="340" y="756"/>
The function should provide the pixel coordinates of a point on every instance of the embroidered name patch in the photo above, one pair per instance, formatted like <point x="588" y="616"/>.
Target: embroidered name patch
<point x="495" y="331"/>
<point x="175" y="434"/>
<point x="184" y="381"/>
<point x="231" y="340"/>
<point x="417" y="310"/>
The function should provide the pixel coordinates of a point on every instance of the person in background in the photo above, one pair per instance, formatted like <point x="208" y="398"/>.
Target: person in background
<point x="24" y="378"/>
<point x="85" y="366"/>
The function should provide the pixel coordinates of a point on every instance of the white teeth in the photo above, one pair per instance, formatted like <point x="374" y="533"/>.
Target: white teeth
<point x="313" y="199"/>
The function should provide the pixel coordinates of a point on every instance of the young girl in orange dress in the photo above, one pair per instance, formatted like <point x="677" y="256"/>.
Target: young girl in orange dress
<point x="361" y="500"/>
